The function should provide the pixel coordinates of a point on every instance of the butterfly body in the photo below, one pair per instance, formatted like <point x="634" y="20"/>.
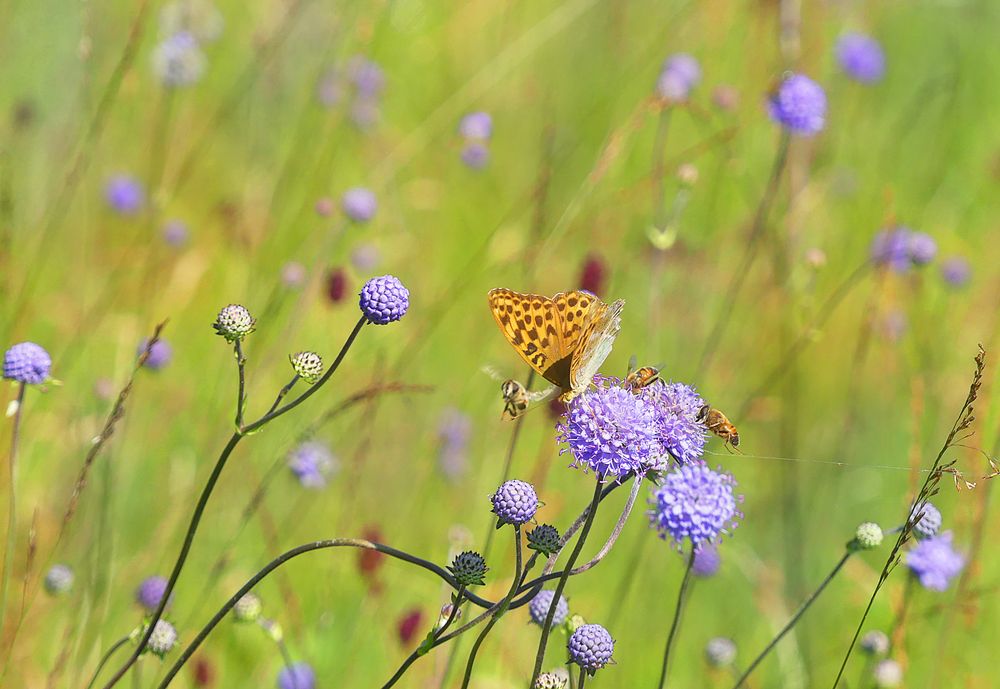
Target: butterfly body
<point x="565" y="338"/>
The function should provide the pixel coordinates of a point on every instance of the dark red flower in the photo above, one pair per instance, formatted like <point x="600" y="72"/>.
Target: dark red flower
<point x="336" y="285"/>
<point x="370" y="561"/>
<point x="408" y="626"/>
<point x="593" y="274"/>
<point x="203" y="671"/>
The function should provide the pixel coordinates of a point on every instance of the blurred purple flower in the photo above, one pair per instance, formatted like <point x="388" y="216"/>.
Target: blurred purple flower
<point x="366" y="76"/>
<point x="359" y="204"/>
<point x="330" y="87"/>
<point x="365" y="257"/>
<point x="861" y="57"/>
<point x="297" y="676"/>
<point x="178" y="60"/>
<point x="934" y="562"/>
<point x="475" y="155"/>
<point x="293" y="274"/>
<point x="706" y="561"/>
<point x="160" y="354"/>
<point x="364" y="113"/>
<point x="894" y="325"/>
<point x="454" y="431"/>
<point x="477" y="126"/>
<point x="923" y="248"/>
<point x="175" y="233"/>
<point x="324" y="207"/>
<point x="125" y="194"/>
<point x="892" y="248"/>
<point x="150" y="593"/>
<point x="678" y="77"/>
<point x="593" y="274"/>
<point x="799" y="105"/>
<point x="312" y="463"/>
<point x="956" y="271"/>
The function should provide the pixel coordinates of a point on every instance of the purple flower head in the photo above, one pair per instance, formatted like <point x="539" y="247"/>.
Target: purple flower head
<point x="477" y="126"/>
<point x="922" y="248"/>
<point x="678" y="77"/>
<point x="929" y="523"/>
<point x="366" y="76"/>
<point x="611" y="431"/>
<point x="540" y="604"/>
<point x="359" y="204"/>
<point x="364" y="112"/>
<point x="861" y="57"/>
<point x="695" y="503"/>
<point x="297" y="676"/>
<point x="706" y="561"/>
<point x="892" y="248"/>
<point x="677" y="406"/>
<point x="799" y="105"/>
<point x="312" y="463"/>
<point x="934" y="562"/>
<point x="160" y="354"/>
<point x="175" y="233"/>
<point x="515" y="502"/>
<point x="365" y="257"/>
<point x="125" y="195"/>
<point x="178" y="60"/>
<point x="454" y="430"/>
<point x="151" y="591"/>
<point x="590" y="647"/>
<point x="475" y="155"/>
<point x="956" y="271"/>
<point x="27" y="363"/>
<point x="384" y="300"/>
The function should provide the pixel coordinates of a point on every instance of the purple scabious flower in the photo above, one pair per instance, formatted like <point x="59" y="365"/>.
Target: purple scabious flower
<point x="477" y="126"/>
<point x="892" y="248"/>
<point x="799" y="105"/>
<point x="151" y="591"/>
<point x="366" y="76"/>
<point x="695" y="503"/>
<point x="611" y="431"/>
<point x="178" y="60"/>
<point x="125" y="194"/>
<point x="591" y="647"/>
<point x="515" y="502"/>
<point x="677" y="406"/>
<point x="160" y="354"/>
<point x="861" y="58"/>
<point x="384" y="300"/>
<point x="359" y="204"/>
<point x="297" y="676"/>
<point x="678" y="77"/>
<point x="475" y="155"/>
<point x="540" y="605"/>
<point x="929" y="523"/>
<point x="706" y="561"/>
<point x="922" y="248"/>
<point x="312" y="463"/>
<point x="956" y="271"/>
<point x="934" y="562"/>
<point x="28" y="363"/>
<point x="454" y="431"/>
<point x="175" y="233"/>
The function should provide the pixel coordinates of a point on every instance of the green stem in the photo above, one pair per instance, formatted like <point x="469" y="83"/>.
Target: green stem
<point x="500" y="611"/>
<point x="547" y="626"/>
<point x="104" y="660"/>
<point x="676" y="623"/>
<point x="241" y="391"/>
<point x="8" y="557"/>
<point x="792" y="622"/>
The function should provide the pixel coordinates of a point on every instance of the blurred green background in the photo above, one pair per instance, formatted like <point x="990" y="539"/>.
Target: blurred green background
<point x="243" y="156"/>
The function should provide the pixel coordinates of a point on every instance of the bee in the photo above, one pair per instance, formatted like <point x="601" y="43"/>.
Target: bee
<point x="515" y="398"/>
<point x="641" y="377"/>
<point x="715" y="421"/>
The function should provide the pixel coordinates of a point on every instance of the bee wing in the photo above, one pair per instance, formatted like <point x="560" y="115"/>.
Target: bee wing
<point x="633" y="363"/>
<point x="493" y="373"/>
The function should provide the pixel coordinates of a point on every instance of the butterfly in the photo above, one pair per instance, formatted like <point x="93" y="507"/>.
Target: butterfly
<point x="565" y="338"/>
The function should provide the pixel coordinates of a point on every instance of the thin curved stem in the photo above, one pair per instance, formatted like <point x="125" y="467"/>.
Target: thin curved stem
<point x="792" y="622"/>
<point x="284" y="391"/>
<point x="104" y="660"/>
<point x="293" y="553"/>
<point x="547" y="626"/>
<point x="425" y="649"/>
<point x="676" y="623"/>
<point x="8" y="557"/>
<point x="504" y="604"/>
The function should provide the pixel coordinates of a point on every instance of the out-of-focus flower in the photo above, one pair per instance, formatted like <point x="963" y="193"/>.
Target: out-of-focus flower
<point x="887" y="674"/>
<point x="365" y="257"/>
<point x="199" y="17"/>
<point x="151" y="591"/>
<point x="695" y="503"/>
<point x="893" y="325"/>
<point x="324" y="207"/>
<point x="678" y="77"/>
<point x="934" y="562"/>
<point x="364" y="113"/>
<point x="28" y="363"/>
<point x="591" y="647"/>
<point x="175" y="233"/>
<point x="477" y="126"/>
<point x="861" y="57"/>
<point x="370" y="561"/>
<point x="203" y="672"/>
<point x="408" y="625"/>
<point x="330" y="87"/>
<point x="59" y="580"/>
<point x="178" y="60"/>
<point x="293" y="274"/>
<point x="928" y="522"/>
<point x="514" y="502"/>
<point x="297" y="676"/>
<point x="720" y="652"/>
<point x="706" y="561"/>
<point x="475" y="155"/>
<point x="593" y="274"/>
<point x="799" y="105"/>
<point x="611" y="431"/>
<point x="160" y="354"/>
<point x="726" y="98"/>
<point x="922" y="248"/>
<point x="454" y="431"/>
<point x="359" y="204"/>
<point x="956" y="271"/>
<point x="875" y="643"/>
<point x="366" y="76"/>
<point x="892" y="248"/>
<point x="676" y="407"/>
<point x="125" y="195"/>
<point x="313" y="464"/>
<point x="384" y="300"/>
<point x="540" y="605"/>
<point x="336" y="285"/>
<point x="248" y="608"/>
